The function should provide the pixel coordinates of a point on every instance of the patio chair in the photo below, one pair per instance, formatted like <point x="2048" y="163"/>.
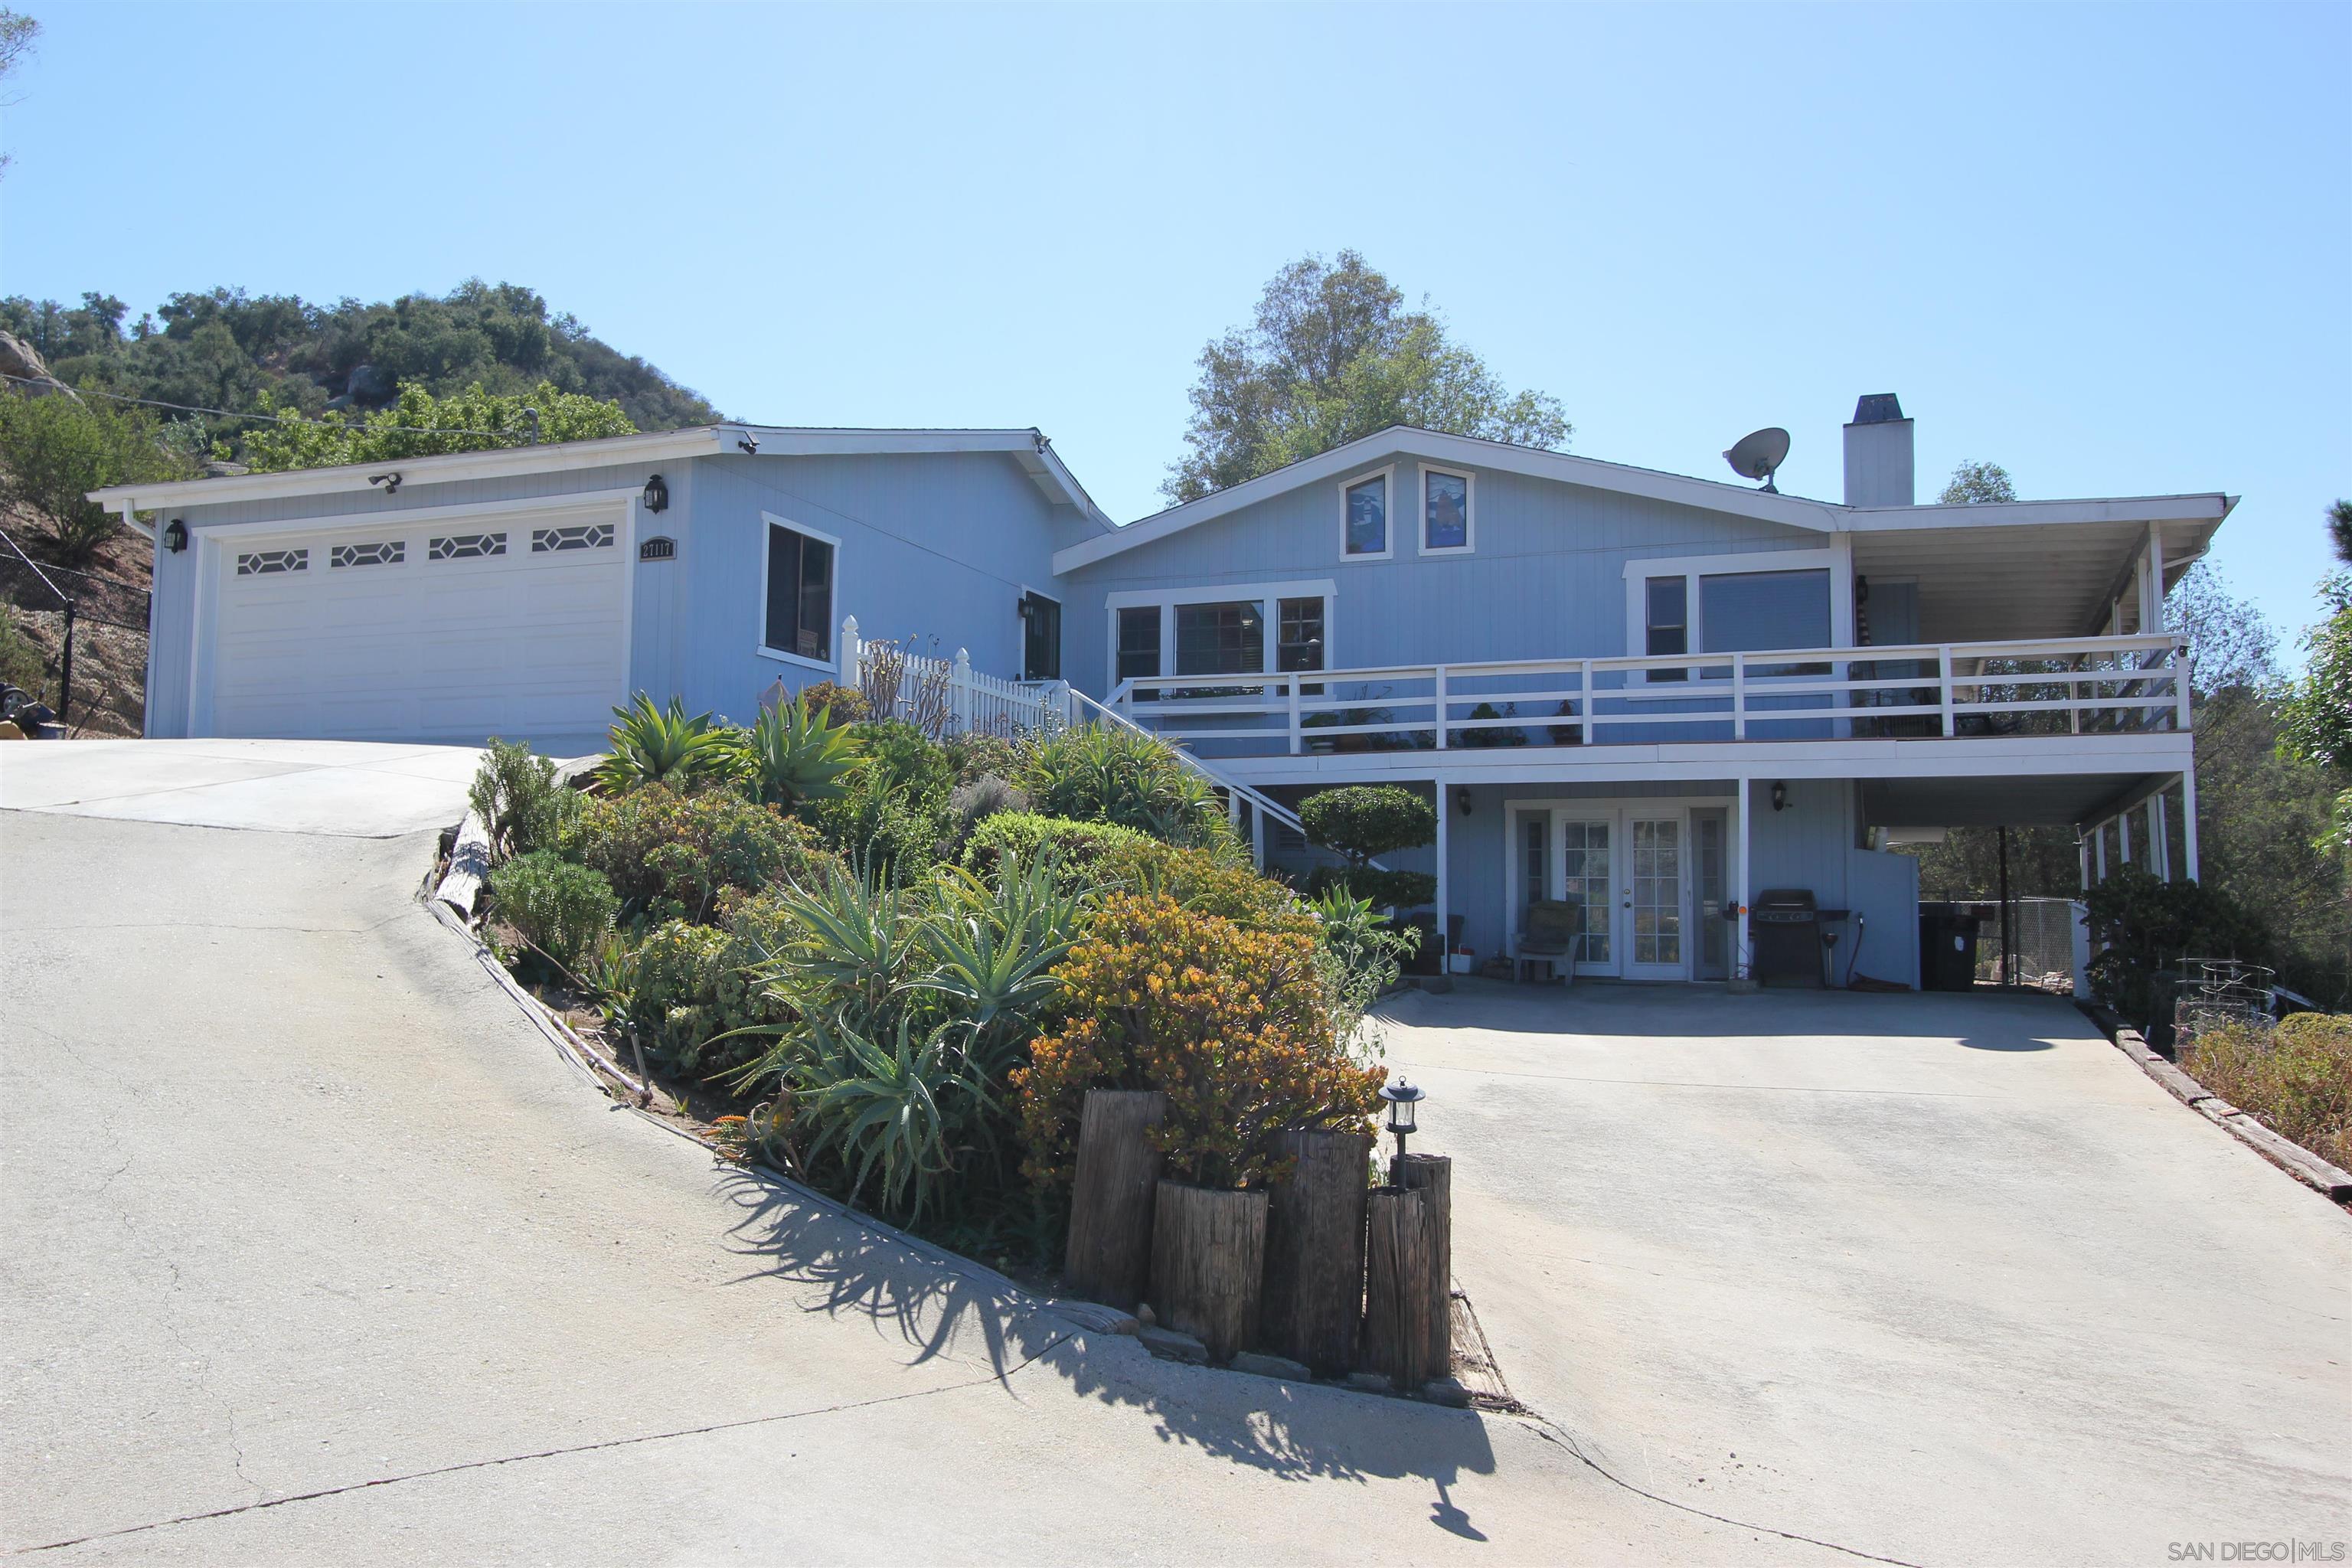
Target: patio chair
<point x="1552" y="935"/>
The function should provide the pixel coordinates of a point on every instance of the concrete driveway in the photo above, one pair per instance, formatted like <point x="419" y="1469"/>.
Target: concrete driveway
<point x="317" y="1252"/>
<point x="1940" y="1278"/>
<point x="340" y="788"/>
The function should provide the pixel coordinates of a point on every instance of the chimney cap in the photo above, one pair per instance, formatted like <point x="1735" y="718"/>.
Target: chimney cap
<point x="1877" y="408"/>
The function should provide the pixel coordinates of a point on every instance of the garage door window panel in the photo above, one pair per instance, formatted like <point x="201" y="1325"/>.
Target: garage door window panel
<point x="466" y="546"/>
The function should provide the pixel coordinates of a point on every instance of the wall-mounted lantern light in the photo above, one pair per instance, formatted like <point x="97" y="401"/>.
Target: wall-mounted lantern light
<point x="1780" y="798"/>
<point x="657" y="494"/>
<point x="1462" y="801"/>
<point x="176" y="537"/>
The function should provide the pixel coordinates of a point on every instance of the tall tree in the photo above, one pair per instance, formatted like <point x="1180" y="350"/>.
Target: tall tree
<point x="2230" y="642"/>
<point x="2339" y="530"/>
<point x="1332" y="356"/>
<point x="1974" y="483"/>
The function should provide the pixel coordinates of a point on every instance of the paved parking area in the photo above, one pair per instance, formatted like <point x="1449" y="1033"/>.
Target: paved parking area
<point x="1939" y="1278"/>
<point x="343" y="788"/>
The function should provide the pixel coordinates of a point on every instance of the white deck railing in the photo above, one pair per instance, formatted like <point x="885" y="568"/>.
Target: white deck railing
<point x="2076" y="686"/>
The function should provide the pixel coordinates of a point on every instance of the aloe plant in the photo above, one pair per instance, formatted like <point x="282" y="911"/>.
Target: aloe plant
<point x="654" y="745"/>
<point x="792" y="756"/>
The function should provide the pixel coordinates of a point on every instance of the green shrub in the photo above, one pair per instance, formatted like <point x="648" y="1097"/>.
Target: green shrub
<point x="1383" y="889"/>
<point x="696" y="992"/>
<point x="840" y="705"/>
<point x="2297" y="1076"/>
<point x="1364" y="953"/>
<point x="1077" y="848"/>
<point x="55" y="450"/>
<point x="975" y="754"/>
<point x="894" y="813"/>
<point x="522" y="806"/>
<point x="2141" y="925"/>
<point x="670" y="856"/>
<point x="654" y="745"/>
<point x="557" y="907"/>
<point x="21" y="664"/>
<point x="1364" y="822"/>
<point x="1107" y="774"/>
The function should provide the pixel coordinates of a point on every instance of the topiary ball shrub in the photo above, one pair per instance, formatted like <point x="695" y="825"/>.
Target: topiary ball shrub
<point x="556" y="906"/>
<point x="1364" y="822"/>
<point x="1381" y="890"/>
<point x="1077" y="848"/>
<point x="1233" y="1024"/>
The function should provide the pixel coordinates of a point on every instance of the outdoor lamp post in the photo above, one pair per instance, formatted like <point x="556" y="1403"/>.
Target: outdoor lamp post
<point x="1402" y="1096"/>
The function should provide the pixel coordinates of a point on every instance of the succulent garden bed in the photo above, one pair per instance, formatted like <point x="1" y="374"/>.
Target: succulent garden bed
<point x="891" y="963"/>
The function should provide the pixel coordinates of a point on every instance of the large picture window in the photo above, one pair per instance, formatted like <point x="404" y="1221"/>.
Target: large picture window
<point x="800" y="593"/>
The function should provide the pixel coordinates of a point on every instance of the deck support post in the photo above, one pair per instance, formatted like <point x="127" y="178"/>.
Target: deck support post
<point x="1740" y="946"/>
<point x="2188" y="823"/>
<point x="1444" y="953"/>
<point x="2123" y="836"/>
<point x="2159" y="836"/>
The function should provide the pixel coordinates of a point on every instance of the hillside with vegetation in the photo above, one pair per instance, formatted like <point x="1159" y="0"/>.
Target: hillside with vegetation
<point x="225" y="349"/>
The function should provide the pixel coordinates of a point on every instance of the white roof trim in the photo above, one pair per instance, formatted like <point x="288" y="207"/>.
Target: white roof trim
<point x="1029" y="447"/>
<point x="1739" y="500"/>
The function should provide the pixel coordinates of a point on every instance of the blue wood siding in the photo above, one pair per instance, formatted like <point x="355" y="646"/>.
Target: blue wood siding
<point x="1547" y="580"/>
<point x="936" y="547"/>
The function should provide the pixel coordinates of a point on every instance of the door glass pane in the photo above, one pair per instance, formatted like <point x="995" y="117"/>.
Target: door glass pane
<point x="1588" y="881"/>
<point x="1041" y="643"/>
<point x="1536" y="864"/>
<point x="1657" y="892"/>
<point x="1707" y="830"/>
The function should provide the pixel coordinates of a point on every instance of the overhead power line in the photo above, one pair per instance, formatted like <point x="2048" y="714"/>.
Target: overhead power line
<point x="233" y="414"/>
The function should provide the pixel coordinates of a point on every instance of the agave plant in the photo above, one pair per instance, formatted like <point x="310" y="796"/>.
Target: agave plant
<point x="792" y="756"/>
<point x="891" y="1109"/>
<point x="654" y="745"/>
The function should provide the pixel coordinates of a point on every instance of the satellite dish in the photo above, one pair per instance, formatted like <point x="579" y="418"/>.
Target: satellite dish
<point x="1759" y="454"/>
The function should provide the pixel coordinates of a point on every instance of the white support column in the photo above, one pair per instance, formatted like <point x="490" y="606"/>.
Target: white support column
<point x="2123" y="836"/>
<point x="2151" y="583"/>
<point x="1739" y="942"/>
<point x="1439" y="690"/>
<point x="1444" y="816"/>
<point x="2099" y="849"/>
<point x="2188" y="823"/>
<point x="1257" y="837"/>
<point x="2159" y="836"/>
<point x="1296" y="737"/>
<point x="2083" y="854"/>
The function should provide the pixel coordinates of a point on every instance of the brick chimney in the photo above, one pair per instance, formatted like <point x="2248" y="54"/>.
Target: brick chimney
<point x="1878" y="453"/>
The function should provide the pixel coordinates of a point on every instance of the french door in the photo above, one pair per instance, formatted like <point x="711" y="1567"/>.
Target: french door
<point x="1630" y="872"/>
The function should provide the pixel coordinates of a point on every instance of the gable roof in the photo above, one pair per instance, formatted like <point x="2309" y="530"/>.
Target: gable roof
<point x="1029" y="449"/>
<point x="1738" y="500"/>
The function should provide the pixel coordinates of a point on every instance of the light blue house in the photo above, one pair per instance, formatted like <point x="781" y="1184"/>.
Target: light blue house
<point x="1659" y="696"/>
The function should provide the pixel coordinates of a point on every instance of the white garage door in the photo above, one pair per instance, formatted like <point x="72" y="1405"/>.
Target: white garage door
<point x="456" y="631"/>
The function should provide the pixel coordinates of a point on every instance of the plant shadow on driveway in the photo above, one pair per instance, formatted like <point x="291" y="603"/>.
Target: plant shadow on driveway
<point x="1297" y="1431"/>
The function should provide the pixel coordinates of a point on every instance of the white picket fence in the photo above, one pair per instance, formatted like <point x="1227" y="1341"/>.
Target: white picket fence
<point x="943" y="696"/>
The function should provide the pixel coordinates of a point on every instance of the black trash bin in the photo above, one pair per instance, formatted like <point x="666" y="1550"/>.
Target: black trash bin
<point x="1948" y="947"/>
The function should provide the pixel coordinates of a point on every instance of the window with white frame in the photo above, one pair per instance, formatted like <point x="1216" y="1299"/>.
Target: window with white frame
<point x="1243" y="628"/>
<point x="1731" y="604"/>
<point x="799" y="618"/>
<point x="1364" y="517"/>
<point x="1446" y="519"/>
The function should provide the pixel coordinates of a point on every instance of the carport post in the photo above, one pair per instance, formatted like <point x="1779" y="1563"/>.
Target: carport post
<point x="2188" y="823"/>
<point x="2123" y="836"/>
<point x="2159" y="836"/>
<point x="1443" y="957"/>
<point x="2099" y="849"/>
<point x="1739" y="943"/>
<point x="2083" y="854"/>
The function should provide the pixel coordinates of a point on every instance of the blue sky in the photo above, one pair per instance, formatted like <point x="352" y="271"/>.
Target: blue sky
<point x="2108" y="247"/>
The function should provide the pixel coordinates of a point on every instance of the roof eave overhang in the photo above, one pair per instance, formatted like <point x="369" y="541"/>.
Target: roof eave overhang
<point x="445" y="468"/>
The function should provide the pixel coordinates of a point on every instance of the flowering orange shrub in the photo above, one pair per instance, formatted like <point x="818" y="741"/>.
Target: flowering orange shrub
<point x="1231" y="1023"/>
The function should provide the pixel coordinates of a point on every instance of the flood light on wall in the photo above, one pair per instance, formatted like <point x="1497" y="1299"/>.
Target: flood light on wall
<point x="1780" y="798"/>
<point x="176" y="538"/>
